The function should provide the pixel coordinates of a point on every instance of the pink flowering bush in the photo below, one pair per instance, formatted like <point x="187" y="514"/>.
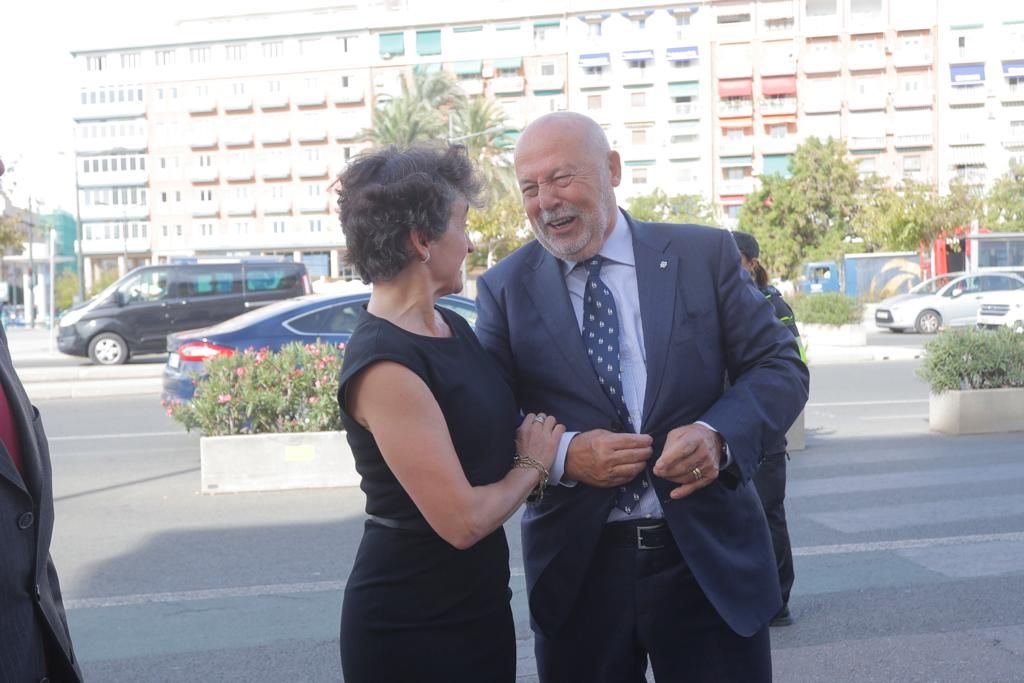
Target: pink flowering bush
<point x="259" y="392"/>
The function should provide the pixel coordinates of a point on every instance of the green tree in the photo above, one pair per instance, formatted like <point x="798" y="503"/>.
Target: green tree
<point x="11" y="233"/>
<point x="812" y="214"/>
<point x="497" y="229"/>
<point x="900" y="218"/>
<point x="480" y="124"/>
<point x="420" y="114"/>
<point x="65" y="289"/>
<point x="679" y="208"/>
<point x="106" y="278"/>
<point x="1005" y="201"/>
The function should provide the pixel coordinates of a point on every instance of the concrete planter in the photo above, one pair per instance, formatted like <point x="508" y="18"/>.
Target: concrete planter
<point x="832" y="335"/>
<point x="275" y="462"/>
<point x="977" y="411"/>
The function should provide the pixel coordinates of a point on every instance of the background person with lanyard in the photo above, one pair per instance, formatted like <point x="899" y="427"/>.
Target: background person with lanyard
<point x="770" y="478"/>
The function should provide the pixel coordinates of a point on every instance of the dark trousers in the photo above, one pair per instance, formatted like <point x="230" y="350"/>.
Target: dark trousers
<point x="636" y="604"/>
<point x="770" y="482"/>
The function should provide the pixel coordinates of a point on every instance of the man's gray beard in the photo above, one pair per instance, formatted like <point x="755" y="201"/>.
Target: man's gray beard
<point x="572" y="251"/>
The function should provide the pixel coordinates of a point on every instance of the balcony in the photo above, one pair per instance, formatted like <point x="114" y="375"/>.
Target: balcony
<point x="121" y="212"/>
<point x="275" y="170"/>
<point x="202" y="139"/>
<point x="1011" y="92"/>
<point x="237" y="103"/>
<point x="508" y="85"/>
<point x="128" y="143"/>
<point x="240" y="207"/>
<point x="273" y="100"/>
<point x="736" y="147"/>
<point x="740" y="68"/>
<point x="686" y="110"/>
<point x="821" y="63"/>
<point x="910" y="57"/>
<point x="829" y="25"/>
<point x="867" y="22"/>
<point x="205" y="209"/>
<point x="967" y="155"/>
<point x="204" y="174"/>
<point x="109" y="110"/>
<point x="113" y="179"/>
<point x="967" y="94"/>
<point x="311" y="169"/>
<point x="903" y="99"/>
<point x="311" y="98"/>
<point x="202" y="104"/>
<point x="975" y="53"/>
<point x="967" y="134"/>
<point x="687" y="150"/>
<point x="275" y="135"/>
<point x="1012" y="46"/>
<point x="639" y="114"/>
<point x="349" y="95"/>
<point x="737" y="186"/>
<point x="348" y="130"/>
<point x="237" y="136"/>
<point x="865" y="60"/>
<point x="867" y="101"/>
<point x="777" y="66"/>
<point x="239" y="173"/>
<point x="312" y="133"/>
<point x="642" y="152"/>
<point x="594" y="80"/>
<point x="913" y="140"/>
<point x="313" y="205"/>
<point x="276" y="206"/>
<point x="553" y="82"/>
<point x="770" y="106"/>
<point x="472" y="87"/>
<point x="866" y="142"/>
<point x="773" y="145"/>
<point x="728" y="109"/>
<point x="821" y="104"/>
<point x="643" y="76"/>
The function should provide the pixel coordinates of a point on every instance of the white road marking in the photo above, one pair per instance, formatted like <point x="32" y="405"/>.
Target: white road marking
<point x="840" y="404"/>
<point x="131" y="435"/>
<point x="329" y="586"/>
<point x="918" y="416"/>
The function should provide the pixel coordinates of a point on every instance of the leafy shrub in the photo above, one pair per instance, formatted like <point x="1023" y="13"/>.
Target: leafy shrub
<point x="974" y="359"/>
<point x="827" y="309"/>
<point x="259" y="392"/>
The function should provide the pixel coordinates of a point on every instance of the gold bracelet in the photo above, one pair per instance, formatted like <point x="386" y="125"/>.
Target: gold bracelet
<point x="526" y="461"/>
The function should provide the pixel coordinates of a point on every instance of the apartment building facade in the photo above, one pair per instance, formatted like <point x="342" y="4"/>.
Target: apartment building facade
<point x="225" y="141"/>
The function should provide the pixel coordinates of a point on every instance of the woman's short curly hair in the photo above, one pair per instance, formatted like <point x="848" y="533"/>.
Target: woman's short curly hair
<point x="386" y="193"/>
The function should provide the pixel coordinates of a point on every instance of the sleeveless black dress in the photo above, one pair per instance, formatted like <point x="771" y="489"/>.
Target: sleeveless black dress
<point x="415" y="607"/>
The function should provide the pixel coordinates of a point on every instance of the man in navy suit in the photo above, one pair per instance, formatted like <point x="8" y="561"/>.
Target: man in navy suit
<point x="34" y="641"/>
<point x="650" y="343"/>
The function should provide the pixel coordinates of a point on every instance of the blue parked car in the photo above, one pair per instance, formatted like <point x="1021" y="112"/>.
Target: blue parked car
<point x="327" y="318"/>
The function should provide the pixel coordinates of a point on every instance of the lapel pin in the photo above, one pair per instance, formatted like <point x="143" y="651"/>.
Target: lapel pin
<point x="663" y="265"/>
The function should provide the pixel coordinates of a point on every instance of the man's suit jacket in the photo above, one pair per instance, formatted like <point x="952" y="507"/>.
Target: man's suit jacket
<point x="703" y="321"/>
<point x="31" y="607"/>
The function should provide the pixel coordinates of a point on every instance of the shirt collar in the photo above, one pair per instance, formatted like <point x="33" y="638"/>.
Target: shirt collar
<point x="618" y="247"/>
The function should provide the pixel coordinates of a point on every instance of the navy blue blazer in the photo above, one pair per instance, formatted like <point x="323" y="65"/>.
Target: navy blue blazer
<point x="703" y="322"/>
<point x="30" y="597"/>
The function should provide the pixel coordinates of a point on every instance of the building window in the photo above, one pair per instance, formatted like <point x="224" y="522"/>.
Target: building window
<point x="638" y="99"/>
<point x="96" y="63"/>
<point x="779" y="24"/>
<point x="315" y="225"/>
<point x="130" y="60"/>
<point x="867" y="165"/>
<point x="735" y="173"/>
<point x="428" y="43"/>
<point x="278" y="227"/>
<point x="238" y="88"/>
<point x="164" y="57"/>
<point x="820" y="8"/>
<point x="273" y="49"/>
<point x="734" y="18"/>
<point x="594" y="29"/>
<point x="911" y="164"/>
<point x="593" y="102"/>
<point x="234" y="53"/>
<point x="547" y="69"/>
<point x="638" y="136"/>
<point x="778" y="131"/>
<point x="309" y="46"/>
<point x="639" y="176"/>
<point x="198" y="55"/>
<point x="545" y="31"/>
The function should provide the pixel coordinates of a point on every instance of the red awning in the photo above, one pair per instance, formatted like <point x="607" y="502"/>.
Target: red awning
<point x="779" y="85"/>
<point x="784" y="118"/>
<point x="742" y="122"/>
<point x="737" y="87"/>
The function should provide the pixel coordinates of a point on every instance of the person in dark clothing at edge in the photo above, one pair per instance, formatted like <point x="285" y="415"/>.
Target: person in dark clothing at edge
<point x="770" y="478"/>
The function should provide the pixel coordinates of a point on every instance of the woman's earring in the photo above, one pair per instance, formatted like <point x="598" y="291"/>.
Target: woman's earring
<point x="425" y="259"/>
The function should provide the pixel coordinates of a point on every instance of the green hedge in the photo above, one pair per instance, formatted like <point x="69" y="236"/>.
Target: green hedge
<point x="827" y="309"/>
<point x="974" y="359"/>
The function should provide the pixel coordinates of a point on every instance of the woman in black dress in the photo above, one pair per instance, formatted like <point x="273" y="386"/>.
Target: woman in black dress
<point x="435" y="434"/>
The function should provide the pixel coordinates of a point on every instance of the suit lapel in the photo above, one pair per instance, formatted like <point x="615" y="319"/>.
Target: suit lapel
<point x="546" y="286"/>
<point x="657" y="275"/>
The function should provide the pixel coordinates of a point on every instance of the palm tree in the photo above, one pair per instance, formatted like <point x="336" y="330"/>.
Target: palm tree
<point x="420" y="114"/>
<point x="480" y="125"/>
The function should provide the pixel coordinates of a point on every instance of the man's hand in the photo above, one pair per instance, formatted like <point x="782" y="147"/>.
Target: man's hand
<point x="691" y="457"/>
<point x="605" y="459"/>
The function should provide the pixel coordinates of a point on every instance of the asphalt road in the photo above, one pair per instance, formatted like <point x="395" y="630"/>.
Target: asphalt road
<point x="909" y="549"/>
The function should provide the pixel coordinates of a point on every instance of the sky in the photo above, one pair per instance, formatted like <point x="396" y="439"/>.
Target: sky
<point x="38" y="83"/>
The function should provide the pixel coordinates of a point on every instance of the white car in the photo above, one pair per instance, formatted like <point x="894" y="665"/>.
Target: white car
<point x="950" y="300"/>
<point x="1003" y="309"/>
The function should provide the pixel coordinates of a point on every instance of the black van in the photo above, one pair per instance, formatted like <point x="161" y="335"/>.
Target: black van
<point x="135" y="314"/>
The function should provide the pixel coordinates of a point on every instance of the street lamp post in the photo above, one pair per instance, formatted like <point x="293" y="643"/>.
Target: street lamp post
<point x="30" y="295"/>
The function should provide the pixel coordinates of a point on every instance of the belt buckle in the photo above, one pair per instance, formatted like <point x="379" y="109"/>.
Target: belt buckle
<point x="640" y="537"/>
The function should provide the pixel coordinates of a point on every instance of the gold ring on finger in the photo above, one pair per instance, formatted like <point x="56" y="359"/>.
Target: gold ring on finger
<point x="697" y="474"/>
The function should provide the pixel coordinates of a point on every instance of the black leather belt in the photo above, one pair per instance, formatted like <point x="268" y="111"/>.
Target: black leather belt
<point x="642" y="534"/>
<point x="412" y="524"/>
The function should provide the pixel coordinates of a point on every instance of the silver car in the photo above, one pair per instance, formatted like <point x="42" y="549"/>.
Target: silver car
<point x="950" y="300"/>
<point x="1005" y="309"/>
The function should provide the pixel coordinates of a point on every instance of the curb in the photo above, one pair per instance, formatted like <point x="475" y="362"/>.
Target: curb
<point x="42" y="391"/>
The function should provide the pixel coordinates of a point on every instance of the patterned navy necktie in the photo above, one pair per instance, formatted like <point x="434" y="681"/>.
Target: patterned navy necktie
<point x="601" y="339"/>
